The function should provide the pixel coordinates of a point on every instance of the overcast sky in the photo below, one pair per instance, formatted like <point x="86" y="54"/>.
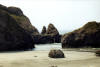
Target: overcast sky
<point x="66" y="15"/>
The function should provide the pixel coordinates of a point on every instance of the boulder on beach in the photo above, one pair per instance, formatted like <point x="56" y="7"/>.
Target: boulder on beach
<point x="55" y="53"/>
<point x="15" y="29"/>
<point x="97" y="53"/>
<point x="86" y="36"/>
<point x="43" y="30"/>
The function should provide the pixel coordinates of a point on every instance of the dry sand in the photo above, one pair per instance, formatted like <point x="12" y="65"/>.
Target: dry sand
<point x="41" y="59"/>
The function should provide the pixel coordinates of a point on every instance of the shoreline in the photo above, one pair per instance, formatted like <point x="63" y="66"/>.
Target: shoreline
<point x="41" y="59"/>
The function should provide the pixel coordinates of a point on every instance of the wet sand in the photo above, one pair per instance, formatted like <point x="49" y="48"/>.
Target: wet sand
<point x="41" y="59"/>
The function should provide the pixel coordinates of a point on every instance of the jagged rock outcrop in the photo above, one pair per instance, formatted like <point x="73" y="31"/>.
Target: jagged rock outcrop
<point x="15" y="10"/>
<point x="43" y="30"/>
<point x="51" y="35"/>
<point x="24" y="22"/>
<point x="44" y="39"/>
<point x="86" y="36"/>
<point x="20" y="18"/>
<point x="52" y="30"/>
<point x="14" y="36"/>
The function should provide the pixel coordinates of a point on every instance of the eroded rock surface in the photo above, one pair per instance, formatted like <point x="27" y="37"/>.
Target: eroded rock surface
<point x="86" y="36"/>
<point x="13" y="35"/>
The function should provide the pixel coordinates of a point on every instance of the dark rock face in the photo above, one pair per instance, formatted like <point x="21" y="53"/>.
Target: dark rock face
<point x="51" y="35"/>
<point x="43" y="30"/>
<point x="52" y="30"/>
<point x="44" y="39"/>
<point x="56" y="54"/>
<point x="12" y="35"/>
<point x="15" y="10"/>
<point x="20" y="18"/>
<point x="97" y="53"/>
<point x="24" y="22"/>
<point x="87" y="36"/>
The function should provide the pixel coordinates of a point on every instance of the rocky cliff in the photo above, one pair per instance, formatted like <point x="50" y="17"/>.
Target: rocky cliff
<point x="86" y="36"/>
<point x="15" y="30"/>
<point x="20" y="18"/>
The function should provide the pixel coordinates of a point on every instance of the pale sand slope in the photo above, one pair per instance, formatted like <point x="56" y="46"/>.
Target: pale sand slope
<point x="41" y="59"/>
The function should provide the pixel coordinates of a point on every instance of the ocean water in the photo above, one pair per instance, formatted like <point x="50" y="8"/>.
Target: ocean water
<point x="48" y="46"/>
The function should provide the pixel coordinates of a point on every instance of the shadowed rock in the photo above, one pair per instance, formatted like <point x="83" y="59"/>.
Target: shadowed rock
<point x="56" y="54"/>
<point x="51" y="35"/>
<point x="2" y="7"/>
<point x="97" y="53"/>
<point x="44" y="39"/>
<point x="15" y="10"/>
<point x="52" y="30"/>
<point x="86" y="36"/>
<point x="14" y="36"/>
<point x="20" y="18"/>
<point x="43" y="30"/>
<point x="24" y="22"/>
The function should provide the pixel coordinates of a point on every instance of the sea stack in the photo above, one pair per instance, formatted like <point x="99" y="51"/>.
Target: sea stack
<point x="86" y="36"/>
<point x="51" y="35"/>
<point x="43" y="30"/>
<point x="15" y="30"/>
<point x="52" y="30"/>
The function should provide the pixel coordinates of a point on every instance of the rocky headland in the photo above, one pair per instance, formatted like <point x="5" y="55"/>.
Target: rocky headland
<point x="86" y="36"/>
<point x="15" y="30"/>
<point x="17" y="33"/>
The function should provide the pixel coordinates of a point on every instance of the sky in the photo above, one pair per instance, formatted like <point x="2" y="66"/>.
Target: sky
<point x="66" y="15"/>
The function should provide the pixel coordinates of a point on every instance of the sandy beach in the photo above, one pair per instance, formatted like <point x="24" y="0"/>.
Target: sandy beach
<point x="41" y="59"/>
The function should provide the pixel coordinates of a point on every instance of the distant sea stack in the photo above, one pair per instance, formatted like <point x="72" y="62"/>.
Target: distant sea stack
<point x="86" y="36"/>
<point x="51" y="35"/>
<point x="15" y="30"/>
<point x="43" y="30"/>
<point x="52" y="30"/>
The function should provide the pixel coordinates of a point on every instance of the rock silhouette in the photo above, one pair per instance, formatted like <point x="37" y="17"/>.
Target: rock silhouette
<point x="43" y="30"/>
<point x="13" y="35"/>
<point x="20" y="18"/>
<point x="51" y="35"/>
<point x="52" y="30"/>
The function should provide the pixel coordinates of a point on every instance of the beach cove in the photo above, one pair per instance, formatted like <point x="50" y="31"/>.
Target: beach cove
<point x="39" y="58"/>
